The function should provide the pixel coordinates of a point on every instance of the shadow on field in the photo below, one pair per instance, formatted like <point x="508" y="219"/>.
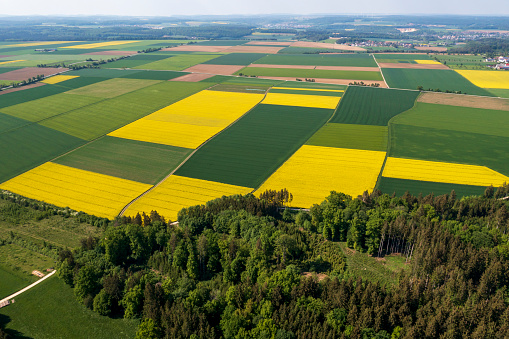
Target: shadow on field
<point x="4" y="320"/>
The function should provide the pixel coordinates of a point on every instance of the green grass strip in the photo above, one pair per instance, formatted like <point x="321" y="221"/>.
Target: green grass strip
<point x="365" y="137"/>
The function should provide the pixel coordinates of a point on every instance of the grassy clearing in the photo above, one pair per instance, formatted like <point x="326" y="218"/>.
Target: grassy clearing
<point x="253" y="148"/>
<point x="431" y="79"/>
<point x="30" y="146"/>
<point x="464" y="119"/>
<point x="112" y="87"/>
<point x="178" y="63"/>
<point x="37" y="110"/>
<point x="235" y="59"/>
<point x="127" y="159"/>
<point x="384" y="271"/>
<point x="358" y="60"/>
<point x="22" y="260"/>
<point x="103" y="117"/>
<point x="372" y="106"/>
<point x="366" y="137"/>
<point x="12" y="281"/>
<point x="450" y="146"/>
<point x="310" y="73"/>
<point x="50" y="310"/>
<point x="400" y="186"/>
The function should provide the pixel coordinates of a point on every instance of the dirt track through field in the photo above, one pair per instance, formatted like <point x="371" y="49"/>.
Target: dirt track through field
<point x="193" y="77"/>
<point x="411" y="66"/>
<point x="214" y="69"/>
<point x="465" y="101"/>
<point x="29" y="72"/>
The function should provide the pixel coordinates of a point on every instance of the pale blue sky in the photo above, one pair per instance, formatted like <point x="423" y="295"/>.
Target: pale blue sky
<point x="192" y="7"/>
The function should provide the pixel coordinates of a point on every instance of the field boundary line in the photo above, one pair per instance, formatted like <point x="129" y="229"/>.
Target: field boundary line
<point x="190" y="155"/>
<point x="380" y="68"/>
<point x="28" y="287"/>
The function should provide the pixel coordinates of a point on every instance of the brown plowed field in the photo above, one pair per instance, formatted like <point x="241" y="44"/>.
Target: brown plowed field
<point x="434" y="49"/>
<point x="4" y="56"/>
<point x="197" y="48"/>
<point x="193" y="77"/>
<point x="29" y="72"/>
<point x="112" y="53"/>
<point x="253" y="49"/>
<point x="270" y="43"/>
<point x="328" y="81"/>
<point x="37" y="84"/>
<point x="464" y="101"/>
<point x="214" y="69"/>
<point x="328" y="46"/>
<point x="410" y="66"/>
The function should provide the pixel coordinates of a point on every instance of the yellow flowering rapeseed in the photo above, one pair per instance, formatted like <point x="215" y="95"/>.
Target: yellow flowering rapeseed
<point x="10" y="62"/>
<point x="442" y="172"/>
<point x="177" y="192"/>
<point x="487" y="79"/>
<point x="191" y="121"/>
<point x="93" y="193"/>
<point x="427" y="62"/>
<point x="58" y="78"/>
<point x="101" y="44"/>
<point x="317" y="101"/>
<point x="313" y="171"/>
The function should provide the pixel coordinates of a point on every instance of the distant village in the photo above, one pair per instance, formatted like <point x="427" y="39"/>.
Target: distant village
<point x="502" y="62"/>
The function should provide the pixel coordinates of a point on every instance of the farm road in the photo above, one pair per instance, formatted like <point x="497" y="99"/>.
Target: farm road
<point x="27" y="288"/>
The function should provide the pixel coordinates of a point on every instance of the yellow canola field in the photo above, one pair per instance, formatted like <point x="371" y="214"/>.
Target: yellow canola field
<point x="427" y="62"/>
<point x="39" y="43"/>
<point x="442" y="172"/>
<point x="191" y="121"/>
<point x="487" y="79"/>
<point x="59" y="78"/>
<point x="317" y="101"/>
<point x="313" y="171"/>
<point x="93" y="193"/>
<point x="10" y="62"/>
<point x="177" y="192"/>
<point x="311" y="89"/>
<point x="101" y="44"/>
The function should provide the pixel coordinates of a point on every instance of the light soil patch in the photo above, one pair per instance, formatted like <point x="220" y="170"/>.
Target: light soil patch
<point x="465" y="101"/>
<point x="326" y="45"/>
<point x="194" y="77"/>
<point x="270" y="43"/>
<point x="411" y="66"/>
<point x="112" y="53"/>
<point x="29" y="72"/>
<point x="253" y="49"/>
<point x="196" y="48"/>
<point x="214" y="69"/>
<point x="434" y="49"/>
<point x="328" y="81"/>
<point x="38" y="84"/>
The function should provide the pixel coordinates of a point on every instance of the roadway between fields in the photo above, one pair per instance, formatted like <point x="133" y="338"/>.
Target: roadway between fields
<point x="28" y="287"/>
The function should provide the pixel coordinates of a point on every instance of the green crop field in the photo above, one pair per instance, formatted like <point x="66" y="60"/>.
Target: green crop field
<point x="358" y="60"/>
<point x="155" y="75"/>
<point x="134" y="61"/>
<point x="313" y="85"/>
<point x="103" y="117"/>
<point x="113" y="87"/>
<point x="381" y="57"/>
<point x="400" y="186"/>
<point x="235" y="59"/>
<point x="129" y="159"/>
<point x="463" y="61"/>
<point x="303" y="50"/>
<point x="78" y="82"/>
<point x="304" y="92"/>
<point x="50" y="310"/>
<point x="450" y="146"/>
<point x="248" y="152"/>
<point x="372" y="106"/>
<point x="248" y="81"/>
<point x="431" y="79"/>
<point x="13" y="98"/>
<point x="465" y="119"/>
<point x="310" y="73"/>
<point x="179" y="62"/>
<point x="7" y="69"/>
<point x="498" y="92"/>
<point x="222" y="43"/>
<point x="102" y="73"/>
<point x="8" y="122"/>
<point x="365" y="137"/>
<point x="240" y="88"/>
<point x="37" y="110"/>
<point x="31" y="145"/>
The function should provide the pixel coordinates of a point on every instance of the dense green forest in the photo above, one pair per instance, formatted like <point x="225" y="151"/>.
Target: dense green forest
<point x="247" y="267"/>
<point x="490" y="46"/>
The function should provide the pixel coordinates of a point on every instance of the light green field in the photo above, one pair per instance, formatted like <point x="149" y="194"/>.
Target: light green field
<point x="12" y="281"/>
<point x="310" y="73"/>
<point x="50" y="310"/>
<point x="178" y="63"/>
<point x="37" y="110"/>
<point x="366" y="137"/>
<point x="502" y="93"/>
<point x="23" y="260"/>
<point x="113" y="87"/>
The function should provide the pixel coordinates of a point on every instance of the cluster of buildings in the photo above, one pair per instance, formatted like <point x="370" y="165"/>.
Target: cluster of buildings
<point x="502" y="62"/>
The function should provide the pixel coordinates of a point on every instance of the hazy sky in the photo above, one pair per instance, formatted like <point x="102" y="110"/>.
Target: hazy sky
<point x="191" y="7"/>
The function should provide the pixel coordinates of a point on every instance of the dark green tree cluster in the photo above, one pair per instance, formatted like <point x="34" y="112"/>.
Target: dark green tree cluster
<point x="247" y="267"/>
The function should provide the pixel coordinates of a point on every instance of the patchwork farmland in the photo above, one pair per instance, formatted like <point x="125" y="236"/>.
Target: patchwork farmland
<point x="188" y="123"/>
